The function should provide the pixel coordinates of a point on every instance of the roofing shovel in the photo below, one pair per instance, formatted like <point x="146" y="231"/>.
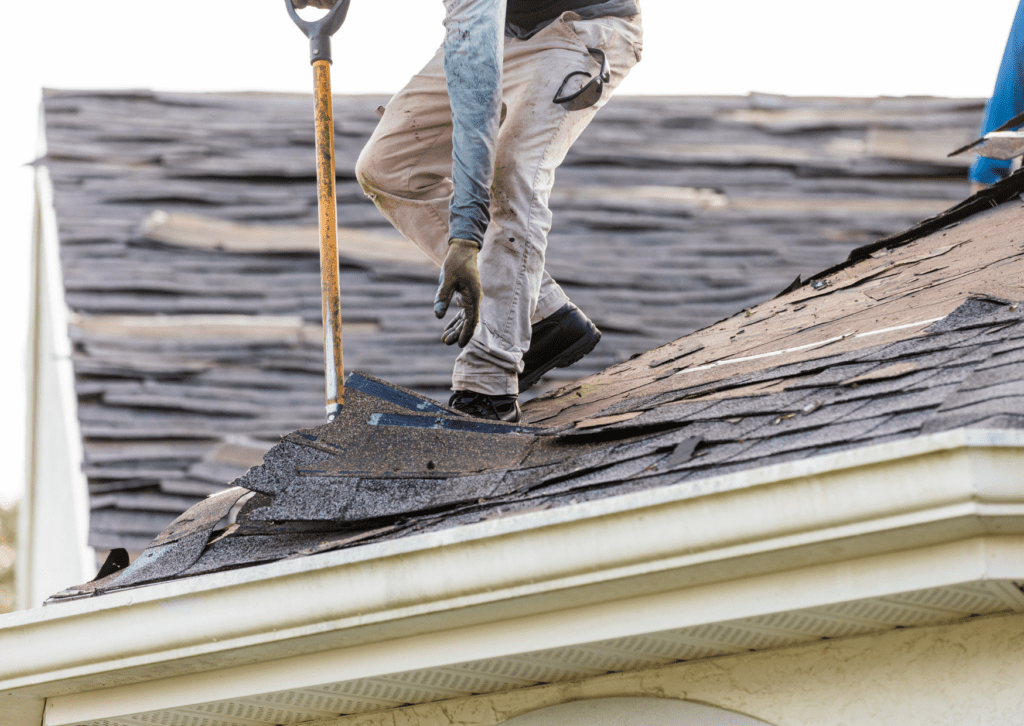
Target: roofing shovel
<point x="319" y="33"/>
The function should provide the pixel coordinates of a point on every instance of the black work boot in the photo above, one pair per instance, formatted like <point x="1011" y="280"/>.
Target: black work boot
<point x="480" y="405"/>
<point x="557" y="341"/>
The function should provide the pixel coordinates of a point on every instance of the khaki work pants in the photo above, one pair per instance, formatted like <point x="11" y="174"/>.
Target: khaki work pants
<point x="406" y="170"/>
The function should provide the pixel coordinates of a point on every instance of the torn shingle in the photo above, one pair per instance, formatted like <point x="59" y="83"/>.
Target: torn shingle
<point x="681" y="454"/>
<point x="896" y="370"/>
<point x="978" y="312"/>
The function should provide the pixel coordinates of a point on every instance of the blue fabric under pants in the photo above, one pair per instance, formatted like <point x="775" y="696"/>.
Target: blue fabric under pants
<point x="473" y="50"/>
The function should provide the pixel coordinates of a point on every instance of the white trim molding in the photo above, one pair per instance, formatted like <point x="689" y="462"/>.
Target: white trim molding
<point x="922" y="515"/>
<point x="54" y="522"/>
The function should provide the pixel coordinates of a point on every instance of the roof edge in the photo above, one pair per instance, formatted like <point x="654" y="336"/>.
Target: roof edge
<point x="865" y="504"/>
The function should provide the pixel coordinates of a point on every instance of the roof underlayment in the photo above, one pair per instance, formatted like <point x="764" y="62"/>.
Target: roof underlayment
<point x="916" y="334"/>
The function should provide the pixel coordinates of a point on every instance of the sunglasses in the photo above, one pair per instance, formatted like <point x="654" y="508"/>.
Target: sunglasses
<point x="592" y="89"/>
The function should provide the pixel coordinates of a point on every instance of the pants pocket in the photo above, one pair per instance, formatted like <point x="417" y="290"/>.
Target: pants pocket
<point x="619" y="38"/>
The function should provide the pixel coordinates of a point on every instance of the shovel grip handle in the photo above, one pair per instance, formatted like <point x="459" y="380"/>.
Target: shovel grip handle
<point x="320" y="31"/>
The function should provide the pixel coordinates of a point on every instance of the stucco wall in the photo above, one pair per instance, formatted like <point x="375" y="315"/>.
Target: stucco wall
<point x="964" y="673"/>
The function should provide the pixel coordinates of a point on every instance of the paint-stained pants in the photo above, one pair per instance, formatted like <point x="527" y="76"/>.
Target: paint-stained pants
<point x="406" y="169"/>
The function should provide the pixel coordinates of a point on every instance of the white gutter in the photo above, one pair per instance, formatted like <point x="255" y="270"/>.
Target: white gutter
<point x="936" y="510"/>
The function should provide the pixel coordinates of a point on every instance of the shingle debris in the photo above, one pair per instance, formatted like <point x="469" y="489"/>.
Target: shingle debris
<point x="896" y="356"/>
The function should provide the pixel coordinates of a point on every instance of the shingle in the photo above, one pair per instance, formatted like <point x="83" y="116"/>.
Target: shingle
<point x="679" y="412"/>
<point x="774" y="403"/>
<point x="836" y="374"/>
<point x="181" y="543"/>
<point x="1005" y="410"/>
<point x="616" y="473"/>
<point x="714" y="455"/>
<point x="681" y="454"/>
<point x="926" y="399"/>
<point x="1001" y="421"/>
<point x="998" y="333"/>
<point x="922" y="380"/>
<point x="646" y="444"/>
<point x="810" y="440"/>
<point x="1011" y="343"/>
<point x="643" y="402"/>
<point x="279" y="470"/>
<point x="704" y="389"/>
<point x="999" y="358"/>
<point x="352" y="500"/>
<point x="947" y="357"/>
<point x="975" y="312"/>
<point x="970" y="395"/>
<point x="765" y="457"/>
<point x="254" y="549"/>
<point x="817" y="364"/>
<point x="994" y="377"/>
<point x="899" y="423"/>
<point x="162" y="561"/>
<point x="968" y="355"/>
<point x="727" y="430"/>
<point x="822" y="415"/>
<point x="924" y="344"/>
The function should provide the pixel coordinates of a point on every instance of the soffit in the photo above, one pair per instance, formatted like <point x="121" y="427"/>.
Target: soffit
<point x="326" y="700"/>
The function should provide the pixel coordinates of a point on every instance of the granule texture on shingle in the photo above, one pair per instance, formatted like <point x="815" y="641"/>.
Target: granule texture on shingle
<point x="976" y="312"/>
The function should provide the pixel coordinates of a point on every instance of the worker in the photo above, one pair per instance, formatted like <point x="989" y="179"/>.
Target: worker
<point x="1007" y="101"/>
<point x="462" y="163"/>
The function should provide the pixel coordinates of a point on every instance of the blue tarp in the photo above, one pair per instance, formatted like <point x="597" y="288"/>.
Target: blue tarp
<point x="1007" y="100"/>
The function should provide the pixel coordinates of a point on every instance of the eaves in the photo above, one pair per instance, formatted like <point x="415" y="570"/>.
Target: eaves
<point x="936" y="511"/>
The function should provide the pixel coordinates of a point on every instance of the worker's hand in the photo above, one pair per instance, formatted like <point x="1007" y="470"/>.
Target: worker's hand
<point x="323" y="4"/>
<point x="459" y="274"/>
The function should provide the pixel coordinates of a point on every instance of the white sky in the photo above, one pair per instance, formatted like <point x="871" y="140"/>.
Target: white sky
<point x="794" y="47"/>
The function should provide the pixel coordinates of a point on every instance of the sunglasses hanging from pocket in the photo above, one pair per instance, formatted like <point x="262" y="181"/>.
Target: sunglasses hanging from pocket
<point x="591" y="91"/>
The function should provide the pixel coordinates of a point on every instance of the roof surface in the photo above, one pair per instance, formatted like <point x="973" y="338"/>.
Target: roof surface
<point x="915" y="334"/>
<point x="190" y="262"/>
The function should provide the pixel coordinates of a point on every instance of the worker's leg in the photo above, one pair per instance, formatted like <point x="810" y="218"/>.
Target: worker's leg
<point x="406" y="166"/>
<point x="532" y="142"/>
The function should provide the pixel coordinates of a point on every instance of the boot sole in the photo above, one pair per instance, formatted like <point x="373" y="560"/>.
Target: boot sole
<point x="573" y="354"/>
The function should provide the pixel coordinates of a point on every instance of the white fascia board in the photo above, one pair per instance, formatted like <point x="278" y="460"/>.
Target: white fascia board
<point x="937" y="510"/>
<point x="83" y="556"/>
<point x="55" y="518"/>
<point x="458" y="642"/>
<point x="36" y="329"/>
